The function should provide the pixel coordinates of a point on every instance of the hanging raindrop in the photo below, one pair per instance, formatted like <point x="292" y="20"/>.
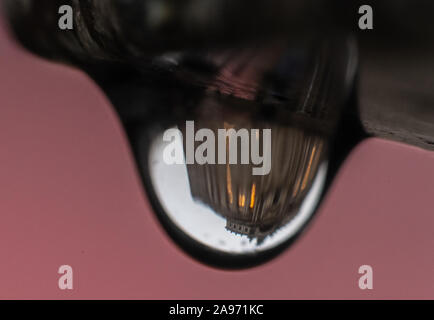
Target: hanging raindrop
<point x="220" y="211"/>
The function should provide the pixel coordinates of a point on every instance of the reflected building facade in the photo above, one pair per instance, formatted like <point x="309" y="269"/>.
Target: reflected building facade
<point x="257" y="205"/>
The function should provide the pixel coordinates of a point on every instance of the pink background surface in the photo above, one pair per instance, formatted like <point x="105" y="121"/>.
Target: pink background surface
<point x="69" y="194"/>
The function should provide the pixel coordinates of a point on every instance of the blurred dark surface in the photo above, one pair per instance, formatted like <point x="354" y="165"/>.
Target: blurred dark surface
<point x="118" y="43"/>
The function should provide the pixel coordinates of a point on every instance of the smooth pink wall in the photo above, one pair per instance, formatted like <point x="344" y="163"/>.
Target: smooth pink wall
<point x="69" y="194"/>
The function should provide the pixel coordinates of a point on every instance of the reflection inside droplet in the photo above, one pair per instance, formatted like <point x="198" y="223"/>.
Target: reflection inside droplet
<point x="228" y="209"/>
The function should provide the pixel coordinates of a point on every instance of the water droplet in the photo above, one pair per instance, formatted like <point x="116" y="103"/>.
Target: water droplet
<point x="250" y="218"/>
